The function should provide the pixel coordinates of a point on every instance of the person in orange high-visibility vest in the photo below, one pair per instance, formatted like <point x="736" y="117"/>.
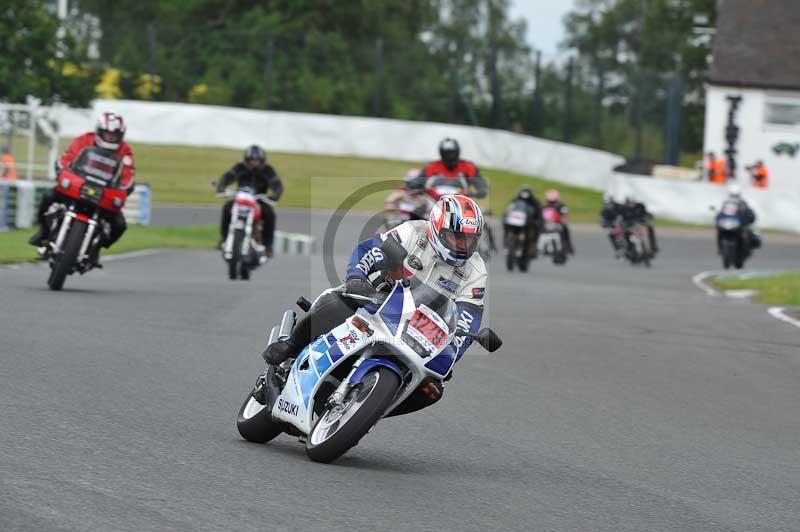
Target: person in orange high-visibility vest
<point x="759" y="174"/>
<point x="715" y="169"/>
<point x="8" y="168"/>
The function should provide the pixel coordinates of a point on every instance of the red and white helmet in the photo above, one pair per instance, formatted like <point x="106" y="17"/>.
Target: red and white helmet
<point x="455" y="225"/>
<point x="552" y="195"/>
<point x="109" y="131"/>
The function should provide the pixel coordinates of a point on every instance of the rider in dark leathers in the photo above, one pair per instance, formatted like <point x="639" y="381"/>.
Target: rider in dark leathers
<point x="635" y="212"/>
<point x="527" y="199"/>
<point x="746" y="216"/>
<point x="253" y="172"/>
<point x="610" y="215"/>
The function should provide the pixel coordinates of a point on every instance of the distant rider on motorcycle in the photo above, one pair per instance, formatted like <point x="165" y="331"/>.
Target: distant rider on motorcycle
<point x="746" y="216"/>
<point x="441" y="254"/>
<point x="553" y="201"/>
<point x="611" y="215"/>
<point x="410" y="199"/>
<point x="108" y="135"/>
<point x="450" y="167"/>
<point x="527" y="200"/>
<point x="635" y="212"/>
<point x="253" y="172"/>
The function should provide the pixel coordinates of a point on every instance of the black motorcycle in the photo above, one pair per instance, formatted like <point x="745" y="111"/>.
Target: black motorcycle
<point x="638" y="249"/>
<point x="517" y="233"/>
<point x="736" y="239"/>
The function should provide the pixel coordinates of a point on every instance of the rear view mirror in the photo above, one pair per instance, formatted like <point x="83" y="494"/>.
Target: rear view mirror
<point x="489" y="339"/>
<point x="394" y="252"/>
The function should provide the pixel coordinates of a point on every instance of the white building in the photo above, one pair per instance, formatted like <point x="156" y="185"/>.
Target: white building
<point x="756" y="56"/>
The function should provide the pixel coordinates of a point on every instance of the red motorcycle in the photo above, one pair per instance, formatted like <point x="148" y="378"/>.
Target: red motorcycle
<point x="76" y="226"/>
<point x="551" y="238"/>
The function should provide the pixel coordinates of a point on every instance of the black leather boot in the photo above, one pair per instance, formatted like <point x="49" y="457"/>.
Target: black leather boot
<point x="278" y="352"/>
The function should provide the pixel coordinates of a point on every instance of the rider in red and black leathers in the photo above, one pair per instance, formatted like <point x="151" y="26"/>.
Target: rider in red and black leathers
<point x="108" y="135"/>
<point x="451" y="166"/>
<point x="255" y="173"/>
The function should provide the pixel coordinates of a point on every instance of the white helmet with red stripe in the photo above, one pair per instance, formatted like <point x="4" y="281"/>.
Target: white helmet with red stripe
<point x="454" y="228"/>
<point x="109" y="131"/>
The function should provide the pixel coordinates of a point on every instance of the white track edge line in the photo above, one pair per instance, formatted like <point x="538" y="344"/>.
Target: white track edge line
<point x="699" y="282"/>
<point x="104" y="258"/>
<point x="780" y="313"/>
<point x="131" y="255"/>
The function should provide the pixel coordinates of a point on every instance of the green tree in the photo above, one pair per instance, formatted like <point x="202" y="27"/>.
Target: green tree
<point x="33" y="63"/>
<point x="634" y="47"/>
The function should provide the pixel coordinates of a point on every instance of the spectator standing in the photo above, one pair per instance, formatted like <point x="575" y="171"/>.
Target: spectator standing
<point x="8" y="167"/>
<point x="759" y="174"/>
<point x="715" y="169"/>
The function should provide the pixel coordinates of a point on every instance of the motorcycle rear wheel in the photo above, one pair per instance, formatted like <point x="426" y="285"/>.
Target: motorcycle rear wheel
<point x="63" y="263"/>
<point x="336" y="432"/>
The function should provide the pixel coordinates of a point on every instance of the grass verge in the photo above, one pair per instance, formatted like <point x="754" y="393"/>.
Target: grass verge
<point x="181" y="175"/>
<point x="14" y="245"/>
<point x="782" y="289"/>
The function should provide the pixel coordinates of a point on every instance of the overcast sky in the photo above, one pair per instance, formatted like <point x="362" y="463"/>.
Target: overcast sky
<point x="544" y="17"/>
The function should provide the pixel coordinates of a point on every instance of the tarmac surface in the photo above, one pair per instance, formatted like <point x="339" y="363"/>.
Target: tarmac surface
<point x="624" y="399"/>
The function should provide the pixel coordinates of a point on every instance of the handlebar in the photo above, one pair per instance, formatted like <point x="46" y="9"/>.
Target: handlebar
<point x="260" y="197"/>
<point x="359" y="297"/>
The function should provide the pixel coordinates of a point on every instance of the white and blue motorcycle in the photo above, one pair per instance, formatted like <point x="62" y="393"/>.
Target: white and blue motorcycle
<point x="363" y="370"/>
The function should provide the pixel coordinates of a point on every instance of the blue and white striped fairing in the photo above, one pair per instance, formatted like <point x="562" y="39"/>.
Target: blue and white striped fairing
<point x="321" y="354"/>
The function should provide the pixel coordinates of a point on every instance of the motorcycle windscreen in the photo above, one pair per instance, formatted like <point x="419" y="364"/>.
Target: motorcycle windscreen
<point x="428" y="328"/>
<point x="98" y="165"/>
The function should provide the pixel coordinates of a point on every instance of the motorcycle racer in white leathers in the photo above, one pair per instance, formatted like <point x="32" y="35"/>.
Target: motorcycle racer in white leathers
<point x="441" y="254"/>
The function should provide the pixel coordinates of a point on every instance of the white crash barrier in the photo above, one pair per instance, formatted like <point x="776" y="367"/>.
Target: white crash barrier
<point x="205" y="125"/>
<point x="294" y="244"/>
<point x="692" y="202"/>
<point x="18" y="204"/>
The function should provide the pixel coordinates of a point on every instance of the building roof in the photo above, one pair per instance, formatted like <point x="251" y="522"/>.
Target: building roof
<point x="757" y="44"/>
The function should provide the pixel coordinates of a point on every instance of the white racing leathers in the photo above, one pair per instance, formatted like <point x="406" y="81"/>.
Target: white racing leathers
<point x="466" y="285"/>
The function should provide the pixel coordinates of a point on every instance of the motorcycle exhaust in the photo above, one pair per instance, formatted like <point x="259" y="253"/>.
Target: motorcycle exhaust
<point x="273" y="335"/>
<point x="287" y="325"/>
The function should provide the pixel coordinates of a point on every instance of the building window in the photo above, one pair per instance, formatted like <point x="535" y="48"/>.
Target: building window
<point x="783" y="113"/>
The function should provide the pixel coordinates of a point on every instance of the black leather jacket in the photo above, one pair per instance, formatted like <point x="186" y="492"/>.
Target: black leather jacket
<point x="262" y="180"/>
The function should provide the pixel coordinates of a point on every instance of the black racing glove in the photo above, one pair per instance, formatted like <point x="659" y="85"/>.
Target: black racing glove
<point x="360" y="286"/>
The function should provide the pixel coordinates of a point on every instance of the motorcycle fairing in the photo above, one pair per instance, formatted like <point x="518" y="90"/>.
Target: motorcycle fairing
<point x="295" y="404"/>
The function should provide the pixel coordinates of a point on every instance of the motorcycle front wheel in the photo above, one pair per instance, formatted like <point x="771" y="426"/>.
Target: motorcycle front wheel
<point x="236" y="254"/>
<point x="255" y="421"/>
<point x="340" y="427"/>
<point x="68" y="257"/>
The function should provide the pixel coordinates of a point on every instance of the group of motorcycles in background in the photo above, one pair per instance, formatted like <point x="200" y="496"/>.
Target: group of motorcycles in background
<point x="531" y="230"/>
<point x="632" y="236"/>
<point x="630" y="232"/>
<point x="414" y="200"/>
<point x="77" y="229"/>
<point x="528" y="231"/>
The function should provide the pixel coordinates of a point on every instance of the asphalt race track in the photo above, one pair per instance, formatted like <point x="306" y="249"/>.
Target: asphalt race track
<point x="624" y="399"/>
